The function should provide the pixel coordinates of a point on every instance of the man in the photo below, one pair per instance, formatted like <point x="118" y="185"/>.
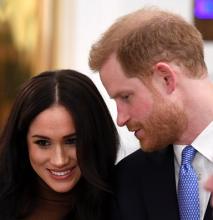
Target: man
<point x="151" y="63"/>
<point x="209" y="186"/>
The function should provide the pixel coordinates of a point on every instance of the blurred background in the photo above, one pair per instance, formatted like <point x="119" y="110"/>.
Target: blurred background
<point x="36" y="35"/>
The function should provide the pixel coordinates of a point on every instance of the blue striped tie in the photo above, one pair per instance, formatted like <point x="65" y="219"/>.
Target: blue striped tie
<point x="188" y="190"/>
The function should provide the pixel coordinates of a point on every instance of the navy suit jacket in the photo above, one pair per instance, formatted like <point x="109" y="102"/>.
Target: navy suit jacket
<point x="145" y="187"/>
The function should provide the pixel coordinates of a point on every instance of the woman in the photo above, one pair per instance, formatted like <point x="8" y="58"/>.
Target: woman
<point x="58" y="149"/>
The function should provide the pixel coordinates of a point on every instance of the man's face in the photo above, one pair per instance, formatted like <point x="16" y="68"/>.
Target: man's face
<point x="209" y="187"/>
<point x="155" y="121"/>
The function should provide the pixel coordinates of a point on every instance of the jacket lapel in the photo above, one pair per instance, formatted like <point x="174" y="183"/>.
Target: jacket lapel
<point x="160" y="186"/>
<point x="209" y="213"/>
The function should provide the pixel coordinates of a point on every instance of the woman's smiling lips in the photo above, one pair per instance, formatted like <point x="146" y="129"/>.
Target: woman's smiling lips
<point x="62" y="174"/>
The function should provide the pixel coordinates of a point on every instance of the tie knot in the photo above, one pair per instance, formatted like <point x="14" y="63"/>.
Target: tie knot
<point x="188" y="155"/>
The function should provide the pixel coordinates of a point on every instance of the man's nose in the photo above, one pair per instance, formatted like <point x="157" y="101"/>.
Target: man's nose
<point x="122" y="116"/>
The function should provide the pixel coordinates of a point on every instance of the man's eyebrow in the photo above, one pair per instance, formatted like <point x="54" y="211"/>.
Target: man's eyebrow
<point x="120" y="93"/>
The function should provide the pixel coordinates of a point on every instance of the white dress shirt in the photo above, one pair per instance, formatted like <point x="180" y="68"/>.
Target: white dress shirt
<point x="202" y="163"/>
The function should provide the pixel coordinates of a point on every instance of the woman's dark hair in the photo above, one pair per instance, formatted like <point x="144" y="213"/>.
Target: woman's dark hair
<point x="97" y="142"/>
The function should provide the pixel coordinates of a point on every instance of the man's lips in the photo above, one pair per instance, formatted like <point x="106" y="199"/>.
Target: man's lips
<point x="139" y="133"/>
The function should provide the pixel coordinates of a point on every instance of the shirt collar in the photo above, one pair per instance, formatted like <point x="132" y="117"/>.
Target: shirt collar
<point x="203" y="143"/>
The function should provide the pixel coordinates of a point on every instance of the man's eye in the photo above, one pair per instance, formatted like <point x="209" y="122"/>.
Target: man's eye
<point x="125" y="97"/>
<point x="42" y="143"/>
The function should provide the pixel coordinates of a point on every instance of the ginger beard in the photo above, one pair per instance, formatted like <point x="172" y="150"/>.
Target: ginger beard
<point x="164" y="126"/>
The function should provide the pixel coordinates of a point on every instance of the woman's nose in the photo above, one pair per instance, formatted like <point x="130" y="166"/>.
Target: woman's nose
<point x="59" y="157"/>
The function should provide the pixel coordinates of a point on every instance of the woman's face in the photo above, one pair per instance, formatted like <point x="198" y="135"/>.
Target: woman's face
<point x="52" y="148"/>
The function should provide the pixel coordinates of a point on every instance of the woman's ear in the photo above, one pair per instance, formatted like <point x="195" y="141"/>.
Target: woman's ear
<point x="164" y="76"/>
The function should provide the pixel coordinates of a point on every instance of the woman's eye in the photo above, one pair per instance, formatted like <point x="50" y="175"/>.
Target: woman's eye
<point x="42" y="143"/>
<point x="71" y="141"/>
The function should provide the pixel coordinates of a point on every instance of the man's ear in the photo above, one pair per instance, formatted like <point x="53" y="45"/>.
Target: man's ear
<point x="165" y="77"/>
